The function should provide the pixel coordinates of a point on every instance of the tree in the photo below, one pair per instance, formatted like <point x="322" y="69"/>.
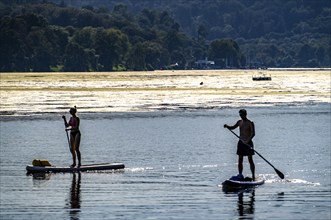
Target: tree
<point x="14" y="51"/>
<point x="111" y="45"/>
<point x="202" y="33"/>
<point x="136" y="59"/>
<point x="75" y="59"/>
<point x="84" y="37"/>
<point x="156" y="55"/>
<point x="226" y="52"/>
<point x="305" y="54"/>
<point x="11" y="45"/>
<point x="39" y="50"/>
<point x="46" y="47"/>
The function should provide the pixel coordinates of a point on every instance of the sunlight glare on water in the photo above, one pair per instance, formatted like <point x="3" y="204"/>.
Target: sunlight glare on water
<point x="38" y="93"/>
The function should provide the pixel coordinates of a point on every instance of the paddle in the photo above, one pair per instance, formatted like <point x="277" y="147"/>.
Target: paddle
<point x="280" y="174"/>
<point x="68" y="138"/>
<point x="66" y="132"/>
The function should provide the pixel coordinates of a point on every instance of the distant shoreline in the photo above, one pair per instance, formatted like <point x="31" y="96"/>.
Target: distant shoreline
<point x="269" y="69"/>
<point x="298" y="69"/>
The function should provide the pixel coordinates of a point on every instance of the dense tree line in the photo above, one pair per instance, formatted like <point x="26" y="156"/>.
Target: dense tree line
<point x="42" y="36"/>
<point x="270" y="33"/>
<point x="49" y="37"/>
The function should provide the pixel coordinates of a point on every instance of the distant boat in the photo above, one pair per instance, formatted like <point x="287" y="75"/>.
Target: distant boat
<point x="262" y="77"/>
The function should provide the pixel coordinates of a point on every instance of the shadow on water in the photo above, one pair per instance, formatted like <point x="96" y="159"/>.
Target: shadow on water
<point x="245" y="202"/>
<point x="74" y="201"/>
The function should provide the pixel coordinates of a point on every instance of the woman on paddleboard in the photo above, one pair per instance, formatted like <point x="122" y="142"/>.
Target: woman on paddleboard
<point x="73" y="127"/>
<point x="247" y="132"/>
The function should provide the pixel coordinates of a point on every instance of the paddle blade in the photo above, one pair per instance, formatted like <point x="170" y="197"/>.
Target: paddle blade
<point x="280" y="174"/>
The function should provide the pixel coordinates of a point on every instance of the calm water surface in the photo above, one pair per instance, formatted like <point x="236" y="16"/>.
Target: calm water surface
<point x="175" y="161"/>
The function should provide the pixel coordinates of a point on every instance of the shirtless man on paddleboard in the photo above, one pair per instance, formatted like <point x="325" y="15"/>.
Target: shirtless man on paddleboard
<point x="247" y="132"/>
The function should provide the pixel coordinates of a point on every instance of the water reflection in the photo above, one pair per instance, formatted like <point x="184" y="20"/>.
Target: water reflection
<point x="74" y="200"/>
<point x="39" y="176"/>
<point x="245" y="203"/>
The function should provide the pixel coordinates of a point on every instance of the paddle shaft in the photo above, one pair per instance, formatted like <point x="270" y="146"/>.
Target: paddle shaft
<point x="68" y="138"/>
<point x="280" y="174"/>
<point x="65" y="128"/>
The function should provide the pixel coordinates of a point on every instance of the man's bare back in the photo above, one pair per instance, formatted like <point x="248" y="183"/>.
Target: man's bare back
<point x="246" y="128"/>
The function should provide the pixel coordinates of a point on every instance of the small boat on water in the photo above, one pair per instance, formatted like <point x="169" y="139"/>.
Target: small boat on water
<point x="66" y="169"/>
<point x="262" y="77"/>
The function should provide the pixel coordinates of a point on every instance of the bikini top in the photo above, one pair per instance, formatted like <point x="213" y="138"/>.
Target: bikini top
<point x="73" y="122"/>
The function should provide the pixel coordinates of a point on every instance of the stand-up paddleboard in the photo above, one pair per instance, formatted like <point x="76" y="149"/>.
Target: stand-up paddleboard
<point x="244" y="183"/>
<point x="88" y="167"/>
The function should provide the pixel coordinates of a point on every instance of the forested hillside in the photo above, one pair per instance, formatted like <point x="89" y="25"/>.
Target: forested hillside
<point x="97" y="35"/>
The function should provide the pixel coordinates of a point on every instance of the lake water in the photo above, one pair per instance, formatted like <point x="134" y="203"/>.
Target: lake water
<point x="168" y="131"/>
